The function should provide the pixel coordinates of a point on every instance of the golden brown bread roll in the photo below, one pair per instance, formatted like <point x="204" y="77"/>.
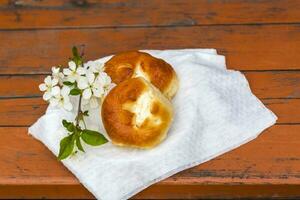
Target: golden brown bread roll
<point x="136" y="114"/>
<point x="131" y="64"/>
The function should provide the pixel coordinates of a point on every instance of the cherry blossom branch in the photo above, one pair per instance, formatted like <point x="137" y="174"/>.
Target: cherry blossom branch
<point x="79" y="111"/>
<point x="90" y="83"/>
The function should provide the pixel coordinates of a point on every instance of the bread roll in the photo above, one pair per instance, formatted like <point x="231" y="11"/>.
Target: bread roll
<point x="131" y="64"/>
<point x="136" y="114"/>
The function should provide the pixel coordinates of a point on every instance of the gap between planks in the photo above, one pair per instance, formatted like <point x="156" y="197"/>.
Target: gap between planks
<point x="142" y="26"/>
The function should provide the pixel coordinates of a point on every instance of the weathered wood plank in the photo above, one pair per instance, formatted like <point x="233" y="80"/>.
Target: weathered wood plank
<point x="287" y="110"/>
<point x="246" y="47"/>
<point x="20" y="86"/>
<point x="157" y="191"/>
<point x="25" y="111"/>
<point x="24" y="14"/>
<point x="27" y="165"/>
<point x="268" y="84"/>
<point x="29" y="170"/>
<point x="21" y="111"/>
<point x="274" y="84"/>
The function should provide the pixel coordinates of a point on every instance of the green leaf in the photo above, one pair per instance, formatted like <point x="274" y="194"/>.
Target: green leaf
<point x="66" y="147"/>
<point x="65" y="123"/>
<point x="76" y="57"/>
<point x="71" y="127"/>
<point x="86" y="113"/>
<point x="75" y="52"/>
<point x="68" y="125"/>
<point x="75" y="91"/>
<point x="68" y="83"/>
<point x="93" y="138"/>
<point x="78" y="144"/>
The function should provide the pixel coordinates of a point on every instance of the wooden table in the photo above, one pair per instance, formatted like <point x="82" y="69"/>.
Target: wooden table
<point x="259" y="37"/>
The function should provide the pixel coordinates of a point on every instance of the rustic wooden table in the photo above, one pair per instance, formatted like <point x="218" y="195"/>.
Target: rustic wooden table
<point x="259" y="37"/>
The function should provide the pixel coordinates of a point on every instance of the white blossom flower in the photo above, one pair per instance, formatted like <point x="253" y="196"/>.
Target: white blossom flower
<point x="73" y="73"/>
<point x="49" y="87"/>
<point x="109" y="88"/>
<point x="104" y="80"/>
<point x="94" y="88"/>
<point x="98" y="67"/>
<point x="57" y="74"/>
<point x="94" y="66"/>
<point x="62" y="99"/>
<point x="90" y="86"/>
<point x="91" y="79"/>
<point x="88" y="65"/>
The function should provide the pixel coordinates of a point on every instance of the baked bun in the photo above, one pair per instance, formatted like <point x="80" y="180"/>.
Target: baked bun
<point x="136" y="114"/>
<point x="132" y="64"/>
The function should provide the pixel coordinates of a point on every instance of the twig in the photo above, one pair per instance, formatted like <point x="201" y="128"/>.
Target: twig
<point x="78" y="111"/>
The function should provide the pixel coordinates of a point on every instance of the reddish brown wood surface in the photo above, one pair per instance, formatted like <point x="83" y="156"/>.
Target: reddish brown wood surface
<point x="260" y="37"/>
<point x="201" y="191"/>
<point x="277" y="165"/>
<point x="275" y="46"/>
<point x="30" y="14"/>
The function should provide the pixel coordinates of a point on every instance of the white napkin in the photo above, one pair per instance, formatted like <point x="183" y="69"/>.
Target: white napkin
<point x="215" y="112"/>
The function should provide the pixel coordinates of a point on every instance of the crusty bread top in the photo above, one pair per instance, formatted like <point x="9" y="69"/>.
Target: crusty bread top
<point x="131" y="64"/>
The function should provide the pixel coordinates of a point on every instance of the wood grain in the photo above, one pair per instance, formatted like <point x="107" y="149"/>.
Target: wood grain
<point x="268" y="84"/>
<point x="277" y="164"/>
<point x="255" y="47"/>
<point x="260" y="37"/>
<point x="21" y="86"/>
<point x="287" y="110"/>
<point x="157" y="192"/>
<point x="30" y="14"/>
<point x="21" y="111"/>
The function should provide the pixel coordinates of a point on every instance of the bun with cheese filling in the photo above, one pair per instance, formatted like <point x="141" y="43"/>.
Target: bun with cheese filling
<point x="132" y="64"/>
<point x="136" y="114"/>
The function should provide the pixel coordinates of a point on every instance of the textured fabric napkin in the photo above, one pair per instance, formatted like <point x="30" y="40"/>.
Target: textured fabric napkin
<point x="215" y="112"/>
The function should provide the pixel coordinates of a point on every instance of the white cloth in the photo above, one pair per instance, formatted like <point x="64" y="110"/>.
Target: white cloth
<point x="215" y="112"/>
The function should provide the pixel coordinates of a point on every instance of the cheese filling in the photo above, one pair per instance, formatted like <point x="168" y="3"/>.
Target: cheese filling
<point x="142" y="108"/>
<point x="138" y="72"/>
